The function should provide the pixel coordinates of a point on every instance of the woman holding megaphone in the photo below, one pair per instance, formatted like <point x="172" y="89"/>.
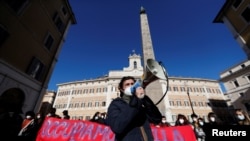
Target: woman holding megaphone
<point x="130" y="115"/>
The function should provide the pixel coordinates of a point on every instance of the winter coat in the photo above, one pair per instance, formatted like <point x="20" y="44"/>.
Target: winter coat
<point x="129" y="118"/>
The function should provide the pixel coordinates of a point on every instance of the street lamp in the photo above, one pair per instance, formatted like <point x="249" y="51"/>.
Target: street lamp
<point x="191" y="104"/>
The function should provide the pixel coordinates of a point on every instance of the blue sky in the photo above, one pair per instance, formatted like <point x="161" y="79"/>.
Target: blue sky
<point x="183" y="34"/>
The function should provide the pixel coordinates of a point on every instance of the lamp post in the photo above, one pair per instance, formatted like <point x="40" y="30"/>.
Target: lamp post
<point x="191" y="104"/>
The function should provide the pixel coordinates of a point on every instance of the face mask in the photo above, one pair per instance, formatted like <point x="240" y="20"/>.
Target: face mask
<point x="96" y="117"/>
<point x="194" y="119"/>
<point x="38" y="116"/>
<point x="201" y="123"/>
<point x="212" y="119"/>
<point x="181" y="121"/>
<point x="28" y="117"/>
<point x="241" y="117"/>
<point x="163" y="121"/>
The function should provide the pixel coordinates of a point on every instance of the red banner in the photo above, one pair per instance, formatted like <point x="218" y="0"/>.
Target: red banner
<point x="80" y="130"/>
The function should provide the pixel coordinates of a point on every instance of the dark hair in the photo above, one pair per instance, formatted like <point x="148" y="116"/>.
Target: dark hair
<point x="31" y="113"/>
<point x="211" y="114"/>
<point x="194" y="115"/>
<point x="122" y="81"/>
<point x="65" y="112"/>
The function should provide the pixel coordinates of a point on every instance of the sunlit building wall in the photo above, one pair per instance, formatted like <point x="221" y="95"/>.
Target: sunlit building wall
<point x="235" y="14"/>
<point x="32" y="33"/>
<point x="83" y="98"/>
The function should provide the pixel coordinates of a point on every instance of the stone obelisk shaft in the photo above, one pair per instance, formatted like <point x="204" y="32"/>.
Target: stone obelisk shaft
<point x="154" y="90"/>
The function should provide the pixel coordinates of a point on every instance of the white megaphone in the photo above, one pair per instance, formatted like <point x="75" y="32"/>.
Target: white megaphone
<point x="154" y="70"/>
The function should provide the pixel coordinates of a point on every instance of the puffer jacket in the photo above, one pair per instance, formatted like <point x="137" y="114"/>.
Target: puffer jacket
<point x="129" y="118"/>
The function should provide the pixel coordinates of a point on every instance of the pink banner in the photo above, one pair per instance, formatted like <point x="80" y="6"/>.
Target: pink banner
<point x="80" y="130"/>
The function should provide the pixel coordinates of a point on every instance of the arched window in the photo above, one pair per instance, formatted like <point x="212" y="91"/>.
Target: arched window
<point x="135" y="65"/>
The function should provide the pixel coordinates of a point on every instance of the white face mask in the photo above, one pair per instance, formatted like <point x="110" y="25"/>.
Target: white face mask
<point x="201" y="123"/>
<point x="28" y="117"/>
<point x="96" y="117"/>
<point x="163" y="121"/>
<point x="38" y="116"/>
<point x="212" y="119"/>
<point x="241" y="117"/>
<point x="181" y="121"/>
<point x="194" y="119"/>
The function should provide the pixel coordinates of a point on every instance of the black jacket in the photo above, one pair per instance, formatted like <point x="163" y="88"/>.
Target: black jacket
<point x="127" y="115"/>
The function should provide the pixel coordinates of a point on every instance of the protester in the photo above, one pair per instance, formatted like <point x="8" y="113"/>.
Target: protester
<point x="39" y="119"/>
<point x="130" y="115"/>
<point x="29" y="127"/>
<point x="52" y="113"/>
<point x="103" y="117"/>
<point x="199" y="132"/>
<point x="242" y="118"/>
<point x="181" y="120"/>
<point x="212" y="123"/>
<point x="97" y="117"/>
<point x="212" y="119"/>
<point x="65" y="114"/>
<point x="194" y="119"/>
<point x="163" y="122"/>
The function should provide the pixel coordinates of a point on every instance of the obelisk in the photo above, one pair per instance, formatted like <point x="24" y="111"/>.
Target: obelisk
<point x="154" y="90"/>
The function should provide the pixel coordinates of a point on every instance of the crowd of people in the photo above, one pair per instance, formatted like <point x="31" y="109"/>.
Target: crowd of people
<point x="202" y="128"/>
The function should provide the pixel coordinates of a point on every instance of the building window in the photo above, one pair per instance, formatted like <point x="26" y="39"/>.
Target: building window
<point x="96" y="104"/>
<point x="87" y="117"/>
<point x="58" y="22"/>
<point x="169" y="88"/>
<point x="243" y="66"/>
<point x="248" y="78"/>
<point x="49" y="41"/>
<point x="171" y="103"/>
<point x="175" y="89"/>
<point x="200" y="104"/>
<point x="80" y="117"/>
<point x="36" y="69"/>
<point x="236" y="4"/>
<point x="3" y="34"/>
<point x="178" y="103"/>
<point x="76" y="105"/>
<point x="135" y="65"/>
<point x="83" y="104"/>
<point x="89" y="104"/>
<point x="246" y="14"/>
<point x="186" y="103"/>
<point x="70" y="105"/>
<point x="182" y="89"/>
<point x="64" y="11"/>
<point x="241" y="94"/>
<point x="17" y="5"/>
<point x="236" y="84"/>
<point x="194" y="103"/>
<point x="104" y="103"/>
